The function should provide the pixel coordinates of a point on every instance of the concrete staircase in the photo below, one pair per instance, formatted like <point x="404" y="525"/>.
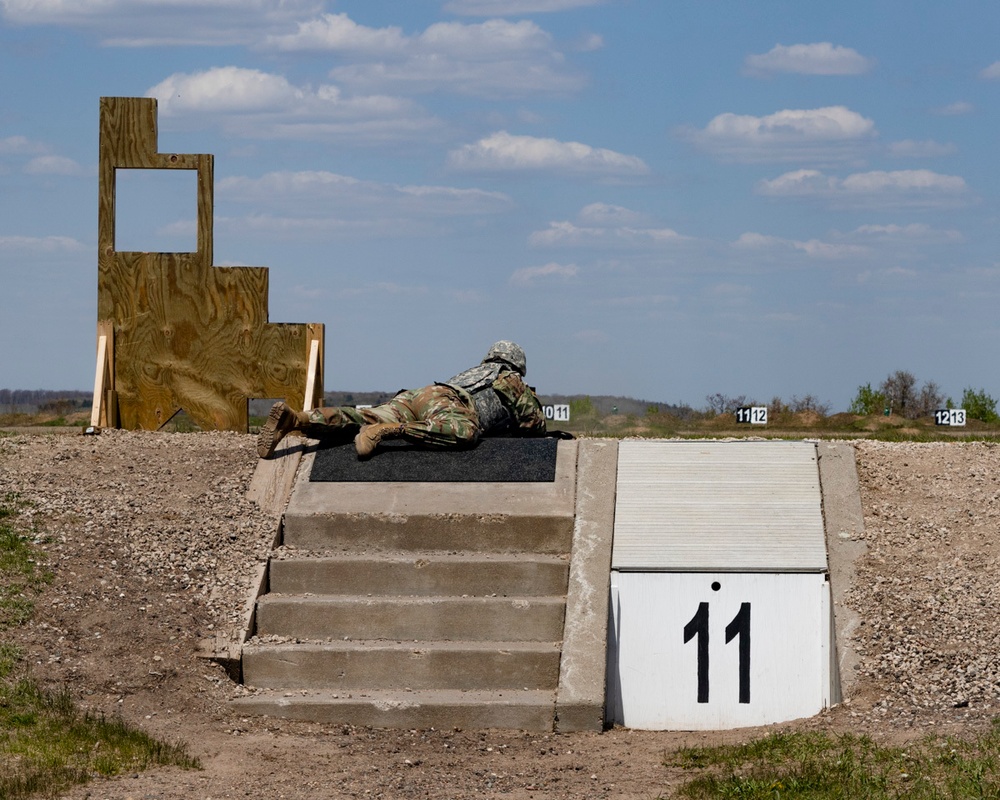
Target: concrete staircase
<point x="422" y="605"/>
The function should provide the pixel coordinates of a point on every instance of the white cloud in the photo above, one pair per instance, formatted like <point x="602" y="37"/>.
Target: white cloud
<point x="482" y="41"/>
<point x="755" y="241"/>
<point x="819" y="58"/>
<point x="57" y="165"/>
<point x="329" y="191"/>
<point x="226" y="89"/>
<point x="992" y="72"/>
<point x="41" y="244"/>
<point x="833" y="122"/>
<point x="140" y="23"/>
<point x="814" y="248"/>
<point x="819" y="249"/>
<point x="20" y="145"/>
<point x="605" y="226"/>
<point x="958" y="108"/>
<point x="914" y="188"/>
<point x="322" y="205"/>
<point x="833" y="132"/>
<point x="908" y="148"/>
<point x="502" y="151"/>
<point x="460" y="201"/>
<point x="338" y="32"/>
<point x="566" y="234"/>
<point x="903" y="181"/>
<point x="605" y="214"/>
<point x="315" y="227"/>
<point x="797" y="182"/>
<point x="526" y="276"/>
<point x="590" y="43"/>
<point x="507" y="8"/>
<point x="502" y="77"/>
<point x="488" y="58"/>
<point x="913" y="232"/>
<point x="252" y="103"/>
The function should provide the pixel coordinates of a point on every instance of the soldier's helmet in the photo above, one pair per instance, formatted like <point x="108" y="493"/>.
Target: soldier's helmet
<point x="509" y="353"/>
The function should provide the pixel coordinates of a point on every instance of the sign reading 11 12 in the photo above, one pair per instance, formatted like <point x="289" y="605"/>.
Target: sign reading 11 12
<point x="752" y="415"/>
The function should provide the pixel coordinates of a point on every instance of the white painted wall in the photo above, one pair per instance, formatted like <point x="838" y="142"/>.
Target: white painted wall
<point x="653" y="678"/>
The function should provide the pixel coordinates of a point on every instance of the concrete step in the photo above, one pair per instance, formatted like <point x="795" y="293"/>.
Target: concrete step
<point x="421" y="573"/>
<point x="349" y="665"/>
<point x="357" y="532"/>
<point x="532" y="619"/>
<point x="531" y="710"/>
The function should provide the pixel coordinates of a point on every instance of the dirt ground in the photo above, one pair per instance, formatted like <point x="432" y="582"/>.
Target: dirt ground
<point x="152" y="543"/>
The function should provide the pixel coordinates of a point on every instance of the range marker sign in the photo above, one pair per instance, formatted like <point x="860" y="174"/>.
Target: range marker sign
<point x="752" y="415"/>
<point x="950" y="416"/>
<point x="556" y="413"/>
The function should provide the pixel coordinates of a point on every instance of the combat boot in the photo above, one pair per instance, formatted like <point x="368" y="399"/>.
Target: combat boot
<point x="280" y="422"/>
<point x="370" y="435"/>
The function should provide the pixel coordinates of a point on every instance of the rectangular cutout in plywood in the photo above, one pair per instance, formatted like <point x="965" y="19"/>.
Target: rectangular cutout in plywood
<point x="155" y="210"/>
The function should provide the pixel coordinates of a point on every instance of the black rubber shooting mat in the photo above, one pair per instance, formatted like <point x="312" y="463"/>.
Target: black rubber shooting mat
<point x="492" y="460"/>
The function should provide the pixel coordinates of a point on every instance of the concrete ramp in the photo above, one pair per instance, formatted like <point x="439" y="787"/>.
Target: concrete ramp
<point x="478" y="605"/>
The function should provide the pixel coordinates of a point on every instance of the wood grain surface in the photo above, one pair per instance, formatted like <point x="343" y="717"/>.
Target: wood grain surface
<point x="187" y="335"/>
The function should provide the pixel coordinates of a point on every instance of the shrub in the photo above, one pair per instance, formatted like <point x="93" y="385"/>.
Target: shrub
<point x="979" y="405"/>
<point x="867" y="401"/>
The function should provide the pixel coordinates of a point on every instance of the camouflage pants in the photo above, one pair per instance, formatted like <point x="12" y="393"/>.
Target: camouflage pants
<point x="434" y="416"/>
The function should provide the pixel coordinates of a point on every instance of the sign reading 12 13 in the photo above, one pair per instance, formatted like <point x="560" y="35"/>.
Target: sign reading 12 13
<point x="950" y="416"/>
<point x="752" y="415"/>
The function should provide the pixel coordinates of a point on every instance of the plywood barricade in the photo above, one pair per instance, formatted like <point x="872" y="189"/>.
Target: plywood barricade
<point x="185" y="334"/>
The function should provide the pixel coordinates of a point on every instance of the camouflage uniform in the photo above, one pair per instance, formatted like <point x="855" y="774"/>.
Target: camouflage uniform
<point x="443" y="414"/>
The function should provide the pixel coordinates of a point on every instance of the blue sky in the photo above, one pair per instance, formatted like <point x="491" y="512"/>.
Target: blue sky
<point x="655" y="198"/>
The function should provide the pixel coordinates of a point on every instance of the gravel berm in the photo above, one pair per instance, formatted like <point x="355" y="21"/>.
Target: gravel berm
<point x="153" y="547"/>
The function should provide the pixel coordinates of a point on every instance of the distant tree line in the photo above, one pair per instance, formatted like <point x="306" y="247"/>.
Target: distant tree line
<point x="724" y="404"/>
<point x="27" y="401"/>
<point x="899" y="394"/>
<point x="604" y="405"/>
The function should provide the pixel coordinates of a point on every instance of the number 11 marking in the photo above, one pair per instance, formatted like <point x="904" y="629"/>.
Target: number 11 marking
<point x="698" y="626"/>
<point x="740" y="626"/>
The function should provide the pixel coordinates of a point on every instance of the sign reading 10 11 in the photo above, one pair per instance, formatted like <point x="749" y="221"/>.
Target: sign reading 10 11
<point x="556" y="413"/>
<point x="752" y="415"/>
<point x="950" y="416"/>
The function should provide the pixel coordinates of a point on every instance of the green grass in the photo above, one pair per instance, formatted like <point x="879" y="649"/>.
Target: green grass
<point x="823" y="766"/>
<point x="21" y="578"/>
<point x="46" y="743"/>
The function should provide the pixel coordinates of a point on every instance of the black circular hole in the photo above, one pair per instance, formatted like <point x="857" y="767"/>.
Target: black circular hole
<point x="716" y="586"/>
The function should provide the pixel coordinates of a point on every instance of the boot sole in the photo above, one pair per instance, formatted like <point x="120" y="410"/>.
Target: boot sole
<point x="268" y="438"/>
